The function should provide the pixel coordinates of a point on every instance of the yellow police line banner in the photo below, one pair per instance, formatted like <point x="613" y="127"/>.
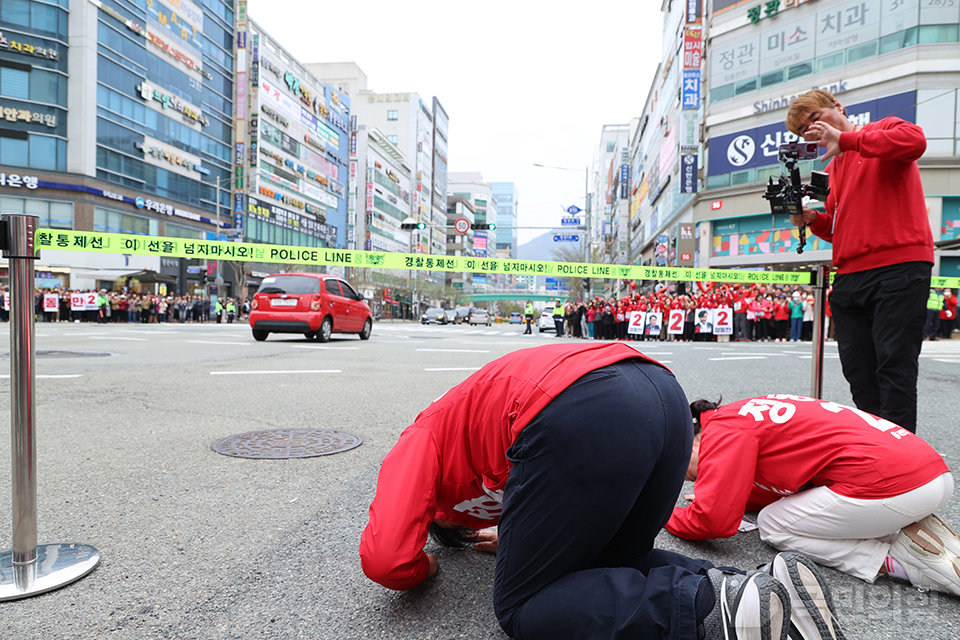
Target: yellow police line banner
<point x="268" y="253"/>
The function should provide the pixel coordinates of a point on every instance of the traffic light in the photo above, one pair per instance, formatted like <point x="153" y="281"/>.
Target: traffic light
<point x="413" y="225"/>
<point x="483" y="227"/>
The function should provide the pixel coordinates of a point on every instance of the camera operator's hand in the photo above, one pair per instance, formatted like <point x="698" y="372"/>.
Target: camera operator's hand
<point x="809" y="215"/>
<point x="826" y="135"/>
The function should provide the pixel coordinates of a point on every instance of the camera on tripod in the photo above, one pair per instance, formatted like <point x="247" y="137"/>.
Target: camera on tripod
<point x="786" y="195"/>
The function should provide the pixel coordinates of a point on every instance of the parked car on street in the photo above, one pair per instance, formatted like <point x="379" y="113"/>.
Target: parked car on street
<point x="314" y="304"/>
<point x="545" y="321"/>
<point x="434" y="316"/>
<point x="515" y="318"/>
<point x="479" y="316"/>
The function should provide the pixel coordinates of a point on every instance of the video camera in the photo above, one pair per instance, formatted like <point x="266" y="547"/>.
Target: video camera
<point x="786" y="195"/>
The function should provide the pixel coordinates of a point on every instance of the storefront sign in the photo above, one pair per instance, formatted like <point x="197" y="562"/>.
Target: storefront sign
<point x="175" y="53"/>
<point x="189" y="112"/>
<point x="692" y="47"/>
<point x="181" y="18"/>
<point x="757" y="147"/>
<point x="9" y="44"/>
<point x="268" y="212"/>
<point x="17" y="181"/>
<point x="688" y="173"/>
<point x="159" y="151"/>
<point x="13" y="114"/>
<point x="276" y="117"/>
<point x="690" y="91"/>
<point x="782" y="101"/>
<point x="694" y="10"/>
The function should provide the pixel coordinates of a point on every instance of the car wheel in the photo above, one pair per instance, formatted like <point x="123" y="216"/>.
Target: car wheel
<point x="325" y="330"/>
<point x="260" y="336"/>
<point x="541" y="329"/>
<point x="367" y="329"/>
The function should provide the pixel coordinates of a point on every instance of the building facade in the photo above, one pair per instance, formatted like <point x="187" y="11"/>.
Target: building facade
<point x="118" y="118"/>
<point x="471" y="186"/>
<point x="878" y="58"/>
<point x="508" y="199"/>
<point x="292" y="169"/>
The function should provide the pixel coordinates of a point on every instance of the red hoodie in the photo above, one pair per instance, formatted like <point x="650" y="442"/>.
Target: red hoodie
<point x="756" y="451"/>
<point x="451" y="463"/>
<point x="882" y="217"/>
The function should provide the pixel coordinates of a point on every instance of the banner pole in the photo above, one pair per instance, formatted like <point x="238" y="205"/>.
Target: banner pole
<point x="821" y="277"/>
<point x="26" y="569"/>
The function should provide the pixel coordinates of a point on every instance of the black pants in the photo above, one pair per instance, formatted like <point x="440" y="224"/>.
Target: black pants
<point x="576" y="556"/>
<point x="879" y="316"/>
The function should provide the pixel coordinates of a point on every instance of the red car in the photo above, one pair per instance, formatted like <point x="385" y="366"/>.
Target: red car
<point x="314" y="304"/>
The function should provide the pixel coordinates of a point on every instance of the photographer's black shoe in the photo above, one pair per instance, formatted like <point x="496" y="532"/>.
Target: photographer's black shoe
<point x="754" y="607"/>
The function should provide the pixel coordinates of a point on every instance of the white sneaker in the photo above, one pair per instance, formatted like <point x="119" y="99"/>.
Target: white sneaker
<point x="934" y="531"/>
<point x="928" y="565"/>
<point x="754" y="607"/>
<point x="812" y="616"/>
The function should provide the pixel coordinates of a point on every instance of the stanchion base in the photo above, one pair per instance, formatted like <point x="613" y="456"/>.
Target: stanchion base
<point x="57" y="565"/>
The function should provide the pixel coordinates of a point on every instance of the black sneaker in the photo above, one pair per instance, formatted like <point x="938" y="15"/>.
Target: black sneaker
<point x="754" y="607"/>
<point x="812" y="612"/>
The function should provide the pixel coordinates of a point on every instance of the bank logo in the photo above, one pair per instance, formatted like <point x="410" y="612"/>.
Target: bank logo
<point x="141" y="203"/>
<point x="741" y="150"/>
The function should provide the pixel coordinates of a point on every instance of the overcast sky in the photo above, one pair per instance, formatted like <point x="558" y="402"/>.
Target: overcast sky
<point x="523" y="81"/>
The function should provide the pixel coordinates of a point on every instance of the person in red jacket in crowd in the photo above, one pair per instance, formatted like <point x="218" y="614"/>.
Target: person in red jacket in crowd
<point x="883" y="271"/>
<point x="846" y="488"/>
<point x="574" y="547"/>
<point x="948" y="314"/>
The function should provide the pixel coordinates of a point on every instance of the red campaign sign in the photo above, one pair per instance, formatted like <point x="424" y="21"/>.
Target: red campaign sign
<point x="675" y="325"/>
<point x="51" y="302"/>
<point x="692" y="48"/>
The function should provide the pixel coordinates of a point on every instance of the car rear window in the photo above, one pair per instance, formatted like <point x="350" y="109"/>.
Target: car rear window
<point x="289" y="284"/>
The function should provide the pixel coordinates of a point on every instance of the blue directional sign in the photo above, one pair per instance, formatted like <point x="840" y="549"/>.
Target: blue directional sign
<point x="573" y="209"/>
<point x="570" y="222"/>
<point x="566" y="237"/>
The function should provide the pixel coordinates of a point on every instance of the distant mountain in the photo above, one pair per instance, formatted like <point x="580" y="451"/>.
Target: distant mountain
<point x="541" y="247"/>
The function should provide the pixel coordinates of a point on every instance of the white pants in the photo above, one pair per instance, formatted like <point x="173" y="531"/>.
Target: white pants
<point x="849" y="534"/>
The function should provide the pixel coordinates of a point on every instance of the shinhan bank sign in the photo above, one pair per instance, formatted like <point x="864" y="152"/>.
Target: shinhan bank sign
<point x="757" y="147"/>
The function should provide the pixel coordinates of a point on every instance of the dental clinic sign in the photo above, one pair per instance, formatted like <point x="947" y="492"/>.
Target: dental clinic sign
<point x="757" y="147"/>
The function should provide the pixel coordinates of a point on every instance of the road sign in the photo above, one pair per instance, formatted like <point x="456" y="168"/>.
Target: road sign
<point x="573" y="209"/>
<point x="566" y="237"/>
<point x="462" y="225"/>
<point x="570" y="222"/>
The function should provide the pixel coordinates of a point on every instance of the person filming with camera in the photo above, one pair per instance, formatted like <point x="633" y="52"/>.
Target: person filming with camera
<point x="876" y="219"/>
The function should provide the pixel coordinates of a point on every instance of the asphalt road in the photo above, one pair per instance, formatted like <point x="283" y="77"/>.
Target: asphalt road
<point x="199" y="545"/>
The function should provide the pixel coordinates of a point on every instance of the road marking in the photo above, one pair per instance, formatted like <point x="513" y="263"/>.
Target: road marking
<point x="307" y="346"/>
<point x="244" y="344"/>
<point x="826" y="356"/>
<point x="945" y="360"/>
<point x="244" y="373"/>
<point x="119" y="338"/>
<point x="457" y="350"/>
<point x="740" y="358"/>
<point x="455" y="369"/>
<point x="774" y="355"/>
<point x="64" y="375"/>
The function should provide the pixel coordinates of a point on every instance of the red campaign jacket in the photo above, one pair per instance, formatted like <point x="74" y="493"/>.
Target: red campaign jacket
<point x="756" y="451"/>
<point x="877" y="177"/>
<point x="451" y="463"/>
<point x="949" y="311"/>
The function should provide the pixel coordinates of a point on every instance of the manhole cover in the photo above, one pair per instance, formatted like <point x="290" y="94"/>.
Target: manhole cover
<point x="283" y="444"/>
<point x="67" y="354"/>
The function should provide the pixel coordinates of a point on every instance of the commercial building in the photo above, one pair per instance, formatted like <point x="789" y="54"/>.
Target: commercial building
<point x="608" y="228"/>
<point x="880" y="59"/>
<point x="291" y="171"/>
<point x="508" y="199"/>
<point x="460" y="207"/>
<point x="471" y="186"/>
<point x="117" y="117"/>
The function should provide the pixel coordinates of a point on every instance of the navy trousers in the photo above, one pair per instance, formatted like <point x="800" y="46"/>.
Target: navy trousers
<point x="595" y="477"/>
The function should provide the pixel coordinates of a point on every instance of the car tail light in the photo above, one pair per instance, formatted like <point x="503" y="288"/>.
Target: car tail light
<point x="315" y="305"/>
<point x="255" y="304"/>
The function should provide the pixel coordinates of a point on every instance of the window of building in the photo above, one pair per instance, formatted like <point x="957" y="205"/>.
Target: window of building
<point x="53" y="215"/>
<point x="171" y="230"/>
<point x="611" y="147"/>
<point x="393" y="139"/>
<point x="108" y="221"/>
<point x="799" y="70"/>
<point x="863" y="51"/>
<point x="14" y="83"/>
<point x="393" y="114"/>
<point x="939" y="33"/>
<point x="34" y="152"/>
<point x="772" y="78"/>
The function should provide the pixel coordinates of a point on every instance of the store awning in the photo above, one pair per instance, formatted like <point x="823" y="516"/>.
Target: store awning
<point x="149" y="277"/>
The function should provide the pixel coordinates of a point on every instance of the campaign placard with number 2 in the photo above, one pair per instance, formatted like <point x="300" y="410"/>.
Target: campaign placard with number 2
<point x="675" y="326"/>
<point x="723" y="321"/>
<point x="637" y="319"/>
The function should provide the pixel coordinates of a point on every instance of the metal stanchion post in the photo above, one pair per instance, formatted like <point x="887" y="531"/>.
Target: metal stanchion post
<point x="820" y="286"/>
<point x="28" y="569"/>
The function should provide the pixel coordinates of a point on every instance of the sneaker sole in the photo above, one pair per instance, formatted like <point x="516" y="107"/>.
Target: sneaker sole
<point x="809" y="596"/>
<point x="760" y="610"/>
